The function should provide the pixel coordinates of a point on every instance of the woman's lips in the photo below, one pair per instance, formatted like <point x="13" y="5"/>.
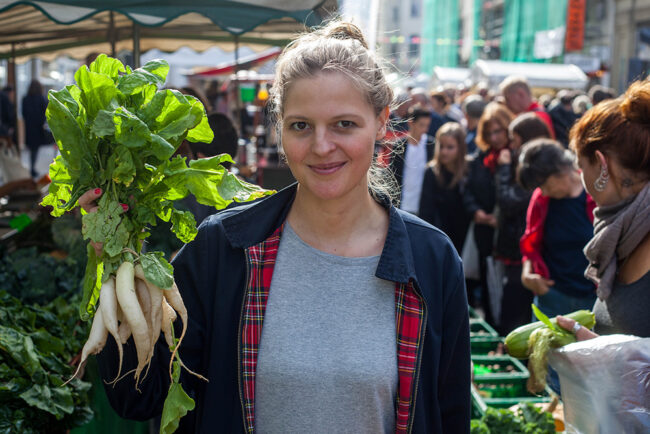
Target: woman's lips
<point x="326" y="169"/>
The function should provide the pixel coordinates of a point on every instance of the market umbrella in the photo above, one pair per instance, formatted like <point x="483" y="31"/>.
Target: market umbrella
<point x="76" y="28"/>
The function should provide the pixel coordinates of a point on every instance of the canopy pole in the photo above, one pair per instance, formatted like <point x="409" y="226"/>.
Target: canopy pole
<point x="111" y="34"/>
<point x="237" y="117"/>
<point x="136" y="45"/>
<point x="11" y="81"/>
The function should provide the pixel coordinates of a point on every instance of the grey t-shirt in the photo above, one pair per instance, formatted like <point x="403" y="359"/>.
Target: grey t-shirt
<point x="327" y="360"/>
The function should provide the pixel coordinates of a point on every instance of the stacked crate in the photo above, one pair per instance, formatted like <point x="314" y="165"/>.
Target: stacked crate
<point x="499" y="380"/>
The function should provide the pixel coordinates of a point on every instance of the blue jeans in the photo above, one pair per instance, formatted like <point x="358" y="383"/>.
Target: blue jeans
<point x="554" y="303"/>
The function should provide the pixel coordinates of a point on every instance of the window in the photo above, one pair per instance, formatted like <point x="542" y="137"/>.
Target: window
<point x="415" y="8"/>
<point x="414" y="46"/>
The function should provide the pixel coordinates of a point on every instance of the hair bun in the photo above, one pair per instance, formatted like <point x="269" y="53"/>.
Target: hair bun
<point x="635" y="104"/>
<point x="345" y="30"/>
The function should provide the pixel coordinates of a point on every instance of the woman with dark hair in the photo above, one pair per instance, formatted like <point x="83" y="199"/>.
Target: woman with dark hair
<point x="558" y="225"/>
<point x="441" y="203"/>
<point x="612" y="141"/>
<point x="480" y="195"/>
<point x="34" y="106"/>
<point x="512" y="203"/>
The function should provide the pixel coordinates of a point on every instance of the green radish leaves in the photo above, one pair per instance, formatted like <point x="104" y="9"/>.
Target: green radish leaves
<point x="157" y="270"/>
<point x="177" y="404"/>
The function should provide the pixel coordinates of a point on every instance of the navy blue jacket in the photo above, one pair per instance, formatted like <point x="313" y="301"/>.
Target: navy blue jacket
<point x="210" y="273"/>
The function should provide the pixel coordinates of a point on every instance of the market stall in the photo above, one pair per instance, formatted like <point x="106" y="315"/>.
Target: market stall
<point x="539" y="75"/>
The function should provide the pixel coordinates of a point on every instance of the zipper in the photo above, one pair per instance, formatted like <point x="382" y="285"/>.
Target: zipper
<point x="241" y="317"/>
<point x="420" y="345"/>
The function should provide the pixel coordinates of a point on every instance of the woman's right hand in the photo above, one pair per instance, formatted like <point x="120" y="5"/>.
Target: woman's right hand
<point x="535" y="282"/>
<point x="87" y="201"/>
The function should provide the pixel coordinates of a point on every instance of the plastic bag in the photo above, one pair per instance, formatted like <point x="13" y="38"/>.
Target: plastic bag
<point x="469" y="255"/>
<point x="496" y="279"/>
<point x="11" y="168"/>
<point x="605" y="384"/>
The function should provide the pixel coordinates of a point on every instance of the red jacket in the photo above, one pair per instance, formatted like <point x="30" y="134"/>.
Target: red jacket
<point x="532" y="240"/>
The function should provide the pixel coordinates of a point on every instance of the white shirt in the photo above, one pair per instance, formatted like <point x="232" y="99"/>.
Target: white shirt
<point x="415" y="165"/>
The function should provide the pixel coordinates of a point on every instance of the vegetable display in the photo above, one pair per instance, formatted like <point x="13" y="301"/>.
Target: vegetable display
<point x="533" y="341"/>
<point x="36" y="342"/>
<point x="118" y="130"/>
<point x="528" y="419"/>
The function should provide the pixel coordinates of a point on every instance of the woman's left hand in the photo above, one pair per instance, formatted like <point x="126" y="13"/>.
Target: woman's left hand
<point x="582" y="333"/>
<point x="504" y="157"/>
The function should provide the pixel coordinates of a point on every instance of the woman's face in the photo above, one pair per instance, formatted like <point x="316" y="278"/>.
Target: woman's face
<point x="558" y="186"/>
<point x="328" y="135"/>
<point x="448" y="150"/>
<point x="496" y="136"/>
<point x="515" y="141"/>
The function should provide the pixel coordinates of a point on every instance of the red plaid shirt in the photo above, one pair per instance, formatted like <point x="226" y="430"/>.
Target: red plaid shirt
<point x="409" y="314"/>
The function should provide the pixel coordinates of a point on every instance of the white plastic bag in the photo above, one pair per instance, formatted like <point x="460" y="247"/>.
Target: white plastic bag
<point x="11" y="168"/>
<point x="496" y="279"/>
<point x="605" y="384"/>
<point x="469" y="255"/>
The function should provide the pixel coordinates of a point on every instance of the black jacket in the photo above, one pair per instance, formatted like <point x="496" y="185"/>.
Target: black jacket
<point x="512" y="203"/>
<point x="480" y="193"/>
<point x="211" y="275"/>
<point x="34" y="107"/>
<point x="443" y="207"/>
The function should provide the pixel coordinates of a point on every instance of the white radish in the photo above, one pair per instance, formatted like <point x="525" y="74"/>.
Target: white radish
<point x="174" y="299"/>
<point x="123" y="330"/>
<point x="108" y="307"/>
<point x="168" y="317"/>
<point x="156" y="296"/>
<point x="95" y="343"/>
<point x="128" y="300"/>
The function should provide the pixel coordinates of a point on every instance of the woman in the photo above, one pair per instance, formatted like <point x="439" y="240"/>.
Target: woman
<point x="321" y="308"/>
<point x="612" y="142"/>
<point x="480" y="195"/>
<point x="441" y="203"/>
<point x="558" y="225"/>
<point x="34" y="106"/>
<point x="512" y="202"/>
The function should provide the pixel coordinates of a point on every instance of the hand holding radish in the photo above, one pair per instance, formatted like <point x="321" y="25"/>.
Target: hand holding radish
<point x="117" y="132"/>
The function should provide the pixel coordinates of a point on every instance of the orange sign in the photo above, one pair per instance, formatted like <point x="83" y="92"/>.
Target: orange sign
<point x="575" y="25"/>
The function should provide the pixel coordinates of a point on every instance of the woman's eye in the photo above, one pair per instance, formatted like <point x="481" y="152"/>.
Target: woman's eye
<point x="345" y="124"/>
<point x="299" y="126"/>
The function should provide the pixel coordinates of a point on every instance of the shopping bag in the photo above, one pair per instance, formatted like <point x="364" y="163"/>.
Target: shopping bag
<point x="11" y="168"/>
<point x="496" y="275"/>
<point x="605" y="384"/>
<point x="470" y="256"/>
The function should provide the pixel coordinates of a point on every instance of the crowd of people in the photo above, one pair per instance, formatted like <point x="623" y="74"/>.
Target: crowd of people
<point x="334" y="306"/>
<point x="493" y="170"/>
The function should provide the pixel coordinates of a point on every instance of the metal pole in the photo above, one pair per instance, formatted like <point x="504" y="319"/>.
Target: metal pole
<point x="136" y="45"/>
<point x="11" y="81"/>
<point x="237" y="117"/>
<point x="111" y="33"/>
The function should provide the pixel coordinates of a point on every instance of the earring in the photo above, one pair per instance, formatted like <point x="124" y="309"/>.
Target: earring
<point x="601" y="182"/>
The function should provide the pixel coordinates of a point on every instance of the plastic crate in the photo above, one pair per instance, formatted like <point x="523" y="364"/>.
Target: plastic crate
<point x="473" y="314"/>
<point x="505" y="394"/>
<point x="481" y="329"/>
<point x="503" y="369"/>
<point x="481" y="346"/>
<point x="478" y="404"/>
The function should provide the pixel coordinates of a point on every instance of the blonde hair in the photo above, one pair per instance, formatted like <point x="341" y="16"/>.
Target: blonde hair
<point x="455" y="131"/>
<point x="494" y="112"/>
<point x="337" y="47"/>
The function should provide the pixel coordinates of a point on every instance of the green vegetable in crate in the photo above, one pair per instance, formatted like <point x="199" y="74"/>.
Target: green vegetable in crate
<point x="517" y="340"/>
<point x="527" y="419"/>
<point x="535" y="340"/>
<point x="117" y="130"/>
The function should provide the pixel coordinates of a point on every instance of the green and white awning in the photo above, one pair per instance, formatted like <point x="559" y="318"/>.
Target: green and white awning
<point x="79" y="27"/>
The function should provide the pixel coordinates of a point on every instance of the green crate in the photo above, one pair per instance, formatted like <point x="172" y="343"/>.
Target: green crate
<point x="508" y="393"/>
<point x="481" y="346"/>
<point x="543" y="398"/>
<point x="505" y="369"/>
<point x="473" y="314"/>
<point x="478" y="404"/>
<point x="481" y="329"/>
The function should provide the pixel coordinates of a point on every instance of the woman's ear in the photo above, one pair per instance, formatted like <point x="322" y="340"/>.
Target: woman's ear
<point x="601" y="159"/>
<point x="383" y="122"/>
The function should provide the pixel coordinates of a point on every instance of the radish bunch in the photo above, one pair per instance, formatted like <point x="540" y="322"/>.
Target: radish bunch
<point x="117" y="131"/>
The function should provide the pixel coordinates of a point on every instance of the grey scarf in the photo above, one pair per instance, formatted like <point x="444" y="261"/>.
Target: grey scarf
<point x="618" y="229"/>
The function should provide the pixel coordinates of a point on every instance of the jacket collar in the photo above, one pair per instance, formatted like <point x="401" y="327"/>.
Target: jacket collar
<point x="251" y="224"/>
